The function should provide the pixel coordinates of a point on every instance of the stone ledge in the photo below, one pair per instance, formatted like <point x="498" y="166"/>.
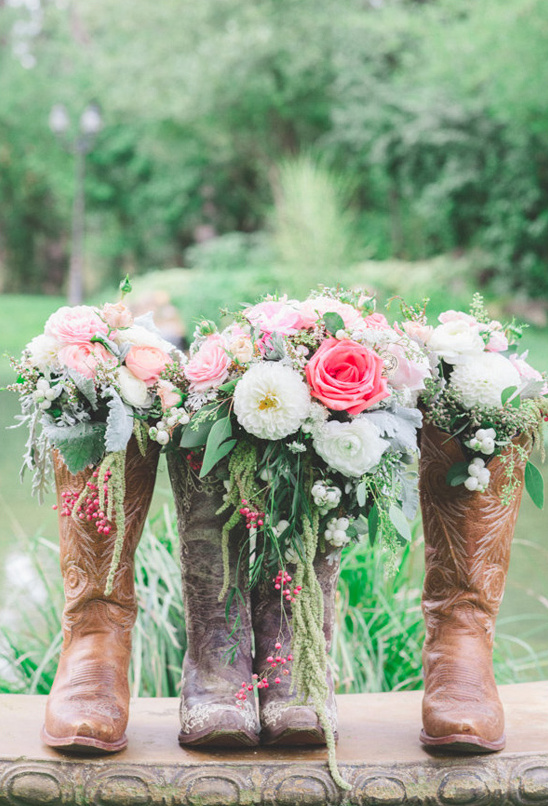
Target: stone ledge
<point x="379" y="754"/>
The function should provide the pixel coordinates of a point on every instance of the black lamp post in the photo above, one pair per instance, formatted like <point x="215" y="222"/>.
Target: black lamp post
<point x="80" y="145"/>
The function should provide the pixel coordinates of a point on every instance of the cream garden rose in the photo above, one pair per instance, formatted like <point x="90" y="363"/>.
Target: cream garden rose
<point x="456" y="339"/>
<point x="133" y="390"/>
<point x="352" y="448"/>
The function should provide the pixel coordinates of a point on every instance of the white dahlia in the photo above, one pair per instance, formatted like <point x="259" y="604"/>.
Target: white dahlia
<point x="44" y="353"/>
<point x="271" y="400"/>
<point x="481" y="380"/>
<point x="352" y="448"/>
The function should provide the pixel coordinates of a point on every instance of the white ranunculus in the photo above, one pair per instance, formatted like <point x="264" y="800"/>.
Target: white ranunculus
<point x="455" y="340"/>
<point x="352" y="448"/>
<point x="133" y="390"/>
<point x="43" y="351"/>
<point x="481" y="380"/>
<point x="140" y="336"/>
<point x="271" y="400"/>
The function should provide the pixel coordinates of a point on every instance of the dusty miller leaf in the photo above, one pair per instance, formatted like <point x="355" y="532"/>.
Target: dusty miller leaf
<point x="119" y="423"/>
<point x="80" y="445"/>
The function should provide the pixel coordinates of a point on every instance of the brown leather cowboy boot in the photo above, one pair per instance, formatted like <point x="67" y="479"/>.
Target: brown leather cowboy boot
<point x="467" y="546"/>
<point x="283" y="722"/>
<point x="218" y="657"/>
<point x="87" y="708"/>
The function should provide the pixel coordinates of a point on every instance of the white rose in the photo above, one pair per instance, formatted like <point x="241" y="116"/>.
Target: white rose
<point x="43" y="351"/>
<point x="456" y="339"/>
<point x="140" y="336"/>
<point x="352" y="448"/>
<point x="133" y="390"/>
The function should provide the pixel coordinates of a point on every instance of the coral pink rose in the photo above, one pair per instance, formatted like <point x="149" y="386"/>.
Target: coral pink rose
<point x="169" y="394"/>
<point x="313" y="309"/>
<point x="117" y="315"/>
<point x="417" y="331"/>
<point x="274" y="317"/>
<point x="146" y="363"/>
<point x="346" y="376"/>
<point x="85" y="358"/>
<point x="75" y="325"/>
<point x="208" y="368"/>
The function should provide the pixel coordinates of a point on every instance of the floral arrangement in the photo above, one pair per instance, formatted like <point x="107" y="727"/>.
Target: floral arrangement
<point x="483" y="391"/>
<point x="307" y="412"/>
<point x="91" y="380"/>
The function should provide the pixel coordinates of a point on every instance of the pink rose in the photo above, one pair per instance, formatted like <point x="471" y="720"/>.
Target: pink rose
<point x="274" y="317"/>
<point x="85" y="358"/>
<point x="417" y="331"/>
<point x="497" y="342"/>
<point x="453" y="316"/>
<point x="117" y="315"/>
<point x="146" y="363"/>
<point x="208" y="368"/>
<point x="376" y="320"/>
<point x="346" y="376"/>
<point x="411" y="370"/>
<point x="525" y="370"/>
<point x="75" y="325"/>
<point x="169" y="394"/>
<point x="312" y="310"/>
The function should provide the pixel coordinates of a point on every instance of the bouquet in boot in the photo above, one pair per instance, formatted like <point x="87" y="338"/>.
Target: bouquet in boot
<point x="90" y="387"/>
<point x="484" y="408"/>
<point x="306" y="411"/>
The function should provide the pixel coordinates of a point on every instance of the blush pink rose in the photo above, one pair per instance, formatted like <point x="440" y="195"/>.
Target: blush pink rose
<point x="75" y="325"/>
<point x="169" y="394"/>
<point x="117" y="315"/>
<point x="497" y="342"/>
<point x="525" y="370"/>
<point x="146" y="363"/>
<point x="208" y="368"/>
<point x="85" y="358"/>
<point x="274" y="317"/>
<point x="376" y="320"/>
<point x="346" y="376"/>
<point x="417" y="331"/>
<point x="312" y="310"/>
<point x="411" y="371"/>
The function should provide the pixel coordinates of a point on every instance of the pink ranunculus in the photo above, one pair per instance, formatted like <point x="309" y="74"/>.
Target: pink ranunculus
<point x="346" y="376"/>
<point x="274" y="317"/>
<point x="312" y="310"/>
<point x="75" y="325"/>
<point x="169" y="394"/>
<point x="85" y="358"/>
<point x="452" y="316"/>
<point x="208" y="368"/>
<point x="147" y="363"/>
<point x="378" y="320"/>
<point x="417" y="330"/>
<point x="117" y="315"/>
<point x="412" y="368"/>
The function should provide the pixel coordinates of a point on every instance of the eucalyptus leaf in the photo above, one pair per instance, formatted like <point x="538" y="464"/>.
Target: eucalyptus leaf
<point x="457" y="474"/>
<point x="196" y="432"/>
<point x="80" y="445"/>
<point x="333" y="322"/>
<point x="216" y="444"/>
<point x="222" y="451"/>
<point x="361" y="494"/>
<point x="400" y="522"/>
<point x="507" y="393"/>
<point x="534" y="484"/>
<point x="373" y="523"/>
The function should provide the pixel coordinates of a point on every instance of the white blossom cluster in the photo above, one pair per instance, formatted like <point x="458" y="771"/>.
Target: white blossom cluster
<point x="483" y="441"/>
<point x="326" y="497"/>
<point x="160" y="433"/>
<point x="478" y="476"/>
<point x="336" y="532"/>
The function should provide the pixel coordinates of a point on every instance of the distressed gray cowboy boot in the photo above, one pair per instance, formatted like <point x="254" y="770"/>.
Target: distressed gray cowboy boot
<point x="468" y="536"/>
<point x="218" y="658"/>
<point x="283" y="720"/>
<point x="87" y="708"/>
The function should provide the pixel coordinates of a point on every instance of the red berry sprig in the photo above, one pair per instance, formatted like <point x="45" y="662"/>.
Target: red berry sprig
<point x="253" y="517"/>
<point x="89" y="508"/>
<point x="281" y="582"/>
<point x="260" y="681"/>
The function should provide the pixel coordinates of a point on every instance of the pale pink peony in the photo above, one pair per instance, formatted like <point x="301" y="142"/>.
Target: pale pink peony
<point x="525" y="370"/>
<point x="147" y="363"/>
<point x="75" y="325"/>
<point x="377" y="320"/>
<point x="117" y="315"/>
<point x="346" y="376"/>
<point x="169" y="394"/>
<point x="312" y="310"/>
<point x="412" y="368"/>
<point x="85" y="358"/>
<point x="208" y="368"/>
<point x="274" y="317"/>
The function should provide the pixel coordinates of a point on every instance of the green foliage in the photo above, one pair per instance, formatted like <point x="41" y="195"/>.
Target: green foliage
<point x="81" y="444"/>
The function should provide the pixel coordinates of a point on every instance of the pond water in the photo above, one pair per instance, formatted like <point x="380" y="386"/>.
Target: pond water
<point x="524" y="613"/>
